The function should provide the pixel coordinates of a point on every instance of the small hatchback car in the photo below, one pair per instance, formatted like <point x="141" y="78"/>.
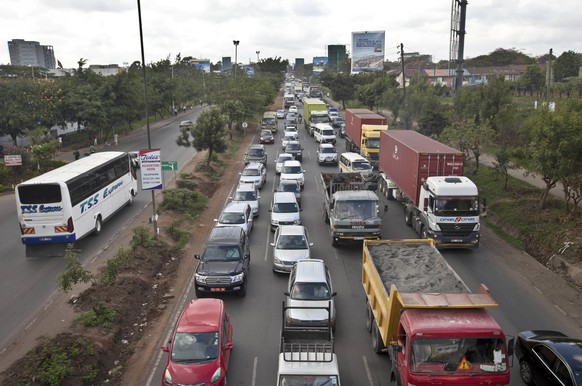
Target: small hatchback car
<point x="199" y="349"/>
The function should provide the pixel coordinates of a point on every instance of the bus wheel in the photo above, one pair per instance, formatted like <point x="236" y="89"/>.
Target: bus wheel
<point x="98" y="226"/>
<point x="130" y="201"/>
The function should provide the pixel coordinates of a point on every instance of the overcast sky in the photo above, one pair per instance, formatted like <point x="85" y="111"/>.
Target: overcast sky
<point x="107" y="31"/>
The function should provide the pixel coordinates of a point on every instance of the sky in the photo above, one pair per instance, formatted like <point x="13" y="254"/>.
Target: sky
<point x="107" y="31"/>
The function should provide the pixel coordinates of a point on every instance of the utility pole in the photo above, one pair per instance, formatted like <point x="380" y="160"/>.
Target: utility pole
<point x="403" y="76"/>
<point x="236" y="43"/>
<point x="549" y="77"/>
<point x="258" y="52"/>
<point x="461" y="33"/>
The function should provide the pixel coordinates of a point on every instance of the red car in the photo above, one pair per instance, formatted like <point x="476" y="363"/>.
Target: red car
<point x="266" y="137"/>
<point x="199" y="350"/>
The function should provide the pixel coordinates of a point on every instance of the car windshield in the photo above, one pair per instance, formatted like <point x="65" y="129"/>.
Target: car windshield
<point x="457" y="206"/>
<point x="462" y="355"/>
<point x="292" y="242"/>
<point x="355" y="209"/>
<point x="361" y="165"/>
<point x="285" y="207"/>
<point x="256" y="152"/>
<point x="310" y="291"/>
<point x="231" y="218"/>
<point x="328" y="132"/>
<point x="221" y="253"/>
<point x="327" y="150"/>
<point x="192" y="347"/>
<point x="293" y="146"/>
<point x="291" y="169"/>
<point x="283" y="158"/>
<point x="289" y="137"/>
<point x="308" y="380"/>
<point x="251" y="172"/>
<point x="291" y="128"/>
<point x="266" y="133"/>
<point x="245" y="196"/>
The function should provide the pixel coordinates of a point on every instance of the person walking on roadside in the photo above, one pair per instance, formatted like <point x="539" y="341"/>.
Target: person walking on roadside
<point x="116" y="139"/>
<point x="77" y="154"/>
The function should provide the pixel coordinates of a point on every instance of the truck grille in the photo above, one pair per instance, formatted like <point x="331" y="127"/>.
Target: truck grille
<point x="374" y="156"/>
<point x="218" y="280"/>
<point x="456" y="229"/>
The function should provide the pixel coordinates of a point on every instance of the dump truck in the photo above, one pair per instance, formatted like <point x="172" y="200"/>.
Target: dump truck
<point x="306" y="355"/>
<point x="362" y="133"/>
<point x="440" y="203"/>
<point x="435" y="330"/>
<point x="314" y="112"/>
<point x="351" y="206"/>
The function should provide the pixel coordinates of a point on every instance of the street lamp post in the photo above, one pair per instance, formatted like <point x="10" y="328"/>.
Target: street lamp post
<point x="258" y="52"/>
<point x="235" y="42"/>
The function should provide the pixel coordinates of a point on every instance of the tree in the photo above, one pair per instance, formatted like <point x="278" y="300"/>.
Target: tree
<point x="503" y="164"/>
<point x="342" y="86"/>
<point x="421" y="97"/>
<point x="566" y="65"/>
<point x="533" y="80"/>
<point x="207" y="134"/>
<point x="432" y="122"/>
<point x="234" y="112"/>
<point x="469" y="137"/>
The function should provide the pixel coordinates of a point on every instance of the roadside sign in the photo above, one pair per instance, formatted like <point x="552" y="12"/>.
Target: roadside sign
<point x="13" y="160"/>
<point x="245" y="125"/>
<point x="150" y="167"/>
<point x="170" y="165"/>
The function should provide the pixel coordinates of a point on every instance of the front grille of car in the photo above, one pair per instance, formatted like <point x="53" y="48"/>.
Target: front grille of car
<point x="218" y="280"/>
<point x="286" y="223"/>
<point x="456" y="229"/>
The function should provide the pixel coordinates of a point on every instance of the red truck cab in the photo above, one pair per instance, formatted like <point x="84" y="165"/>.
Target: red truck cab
<point x="450" y="347"/>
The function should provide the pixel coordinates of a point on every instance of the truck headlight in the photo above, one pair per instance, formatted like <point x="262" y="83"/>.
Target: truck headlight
<point x="238" y="278"/>
<point x="200" y="278"/>
<point x="216" y="376"/>
<point x="477" y="227"/>
<point x="167" y="377"/>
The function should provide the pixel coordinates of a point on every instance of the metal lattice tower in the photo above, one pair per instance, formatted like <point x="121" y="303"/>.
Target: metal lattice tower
<point x="457" y="41"/>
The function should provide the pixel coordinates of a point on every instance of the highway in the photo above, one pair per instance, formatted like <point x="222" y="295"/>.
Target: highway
<point x="27" y="284"/>
<point x="257" y="317"/>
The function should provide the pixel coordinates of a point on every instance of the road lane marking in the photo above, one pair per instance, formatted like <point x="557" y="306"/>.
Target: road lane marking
<point x="255" y="371"/>
<point x="368" y="374"/>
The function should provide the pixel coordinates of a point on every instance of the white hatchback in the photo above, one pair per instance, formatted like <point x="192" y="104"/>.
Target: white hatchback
<point x="291" y="244"/>
<point x="237" y="214"/>
<point x="280" y="160"/>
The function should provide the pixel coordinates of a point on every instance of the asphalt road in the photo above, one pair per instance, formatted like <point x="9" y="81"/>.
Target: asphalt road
<point x="257" y="317"/>
<point x="27" y="284"/>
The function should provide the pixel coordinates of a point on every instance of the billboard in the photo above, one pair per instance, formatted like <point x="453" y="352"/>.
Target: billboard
<point x="201" y="64"/>
<point x="367" y="51"/>
<point x="319" y="63"/>
<point x="248" y="69"/>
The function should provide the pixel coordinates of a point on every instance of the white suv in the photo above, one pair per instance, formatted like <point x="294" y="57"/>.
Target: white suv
<point x="237" y="214"/>
<point x="248" y="193"/>
<point x="326" y="154"/>
<point x="292" y="170"/>
<point x="284" y="210"/>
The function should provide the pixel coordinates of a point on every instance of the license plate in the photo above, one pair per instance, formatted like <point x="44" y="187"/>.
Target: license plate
<point x="217" y="289"/>
<point x="456" y="240"/>
<point x="359" y="238"/>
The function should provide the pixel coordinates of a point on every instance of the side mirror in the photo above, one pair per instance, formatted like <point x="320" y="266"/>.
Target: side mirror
<point x="425" y="205"/>
<point x="286" y="293"/>
<point x="311" y="244"/>
<point x="165" y="348"/>
<point x="333" y="294"/>
<point x="258" y="197"/>
<point x="215" y="220"/>
<point x="510" y="347"/>
<point x="397" y="348"/>
<point x="228" y="346"/>
<point x="197" y="257"/>
<point x="272" y="244"/>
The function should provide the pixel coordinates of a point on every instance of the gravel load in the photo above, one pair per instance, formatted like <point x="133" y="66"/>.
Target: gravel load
<point x="415" y="268"/>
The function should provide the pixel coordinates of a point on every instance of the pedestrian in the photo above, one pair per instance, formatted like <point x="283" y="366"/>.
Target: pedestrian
<point x="116" y="138"/>
<point x="77" y="154"/>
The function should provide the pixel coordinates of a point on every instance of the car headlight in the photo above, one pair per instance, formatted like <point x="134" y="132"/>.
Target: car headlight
<point x="167" y="377"/>
<point x="297" y="222"/>
<point x="277" y="260"/>
<point x="238" y="278"/>
<point x="216" y="376"/>
<point x="275" y="222"/>
<point x="200" y="278"/>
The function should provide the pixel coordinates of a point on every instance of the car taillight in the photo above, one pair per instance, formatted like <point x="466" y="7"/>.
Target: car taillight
<point x="70" y="225"/>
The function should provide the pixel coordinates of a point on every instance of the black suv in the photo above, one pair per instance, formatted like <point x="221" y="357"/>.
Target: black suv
<point x="256" y="153"/>
<point x="294" y="148"/>
<point x="224" y="265"/>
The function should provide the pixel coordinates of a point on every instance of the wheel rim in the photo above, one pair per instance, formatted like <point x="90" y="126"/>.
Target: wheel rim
<point x="525" y="372"/>
<point x="98" y="225"/>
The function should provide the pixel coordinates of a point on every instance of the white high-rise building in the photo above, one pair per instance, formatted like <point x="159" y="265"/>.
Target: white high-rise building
<point x="29" y="53"/>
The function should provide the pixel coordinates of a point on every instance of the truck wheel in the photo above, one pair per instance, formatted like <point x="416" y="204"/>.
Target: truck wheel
<point x="423" y="233"/>
<point x="389" y="195"/>
<point x="377" y="344"/>
<point x="369" y="317"/>
<point x="407" y="217"/>
<point x="334" y="242"/>
<point x="325" y="216"/>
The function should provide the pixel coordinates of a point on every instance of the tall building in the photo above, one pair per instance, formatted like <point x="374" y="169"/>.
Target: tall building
<point x="29" y="53"/>
<point x="336" y="54"/>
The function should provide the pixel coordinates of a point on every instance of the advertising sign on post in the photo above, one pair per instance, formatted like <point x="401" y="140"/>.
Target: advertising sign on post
<point x="367" y="51"/>
<point x="151" y="169"/>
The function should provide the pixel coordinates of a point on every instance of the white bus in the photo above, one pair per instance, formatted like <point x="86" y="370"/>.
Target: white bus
<point x="70" y="202"/>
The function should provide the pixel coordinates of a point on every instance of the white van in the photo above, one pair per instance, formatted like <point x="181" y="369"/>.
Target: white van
<point x="353" y="162"/>
<point x="324" y="133"/>
<point x="284" y="210"/>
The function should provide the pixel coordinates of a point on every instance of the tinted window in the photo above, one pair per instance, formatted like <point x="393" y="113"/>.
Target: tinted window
<point x="245" y="196"/>
<point x="310" y="291"/>
<point x="285" y="207"/>
<point x="291" y="169"/>
<point x="221" y="253"/>
<point x="192" y="347"/>
<point x="292" y="242"/>
<point x="40" y="194"/>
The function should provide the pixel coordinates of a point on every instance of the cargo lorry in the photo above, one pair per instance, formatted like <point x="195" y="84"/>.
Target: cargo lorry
<point x="351" y="206"/>
<point x="362" y="133"/>
<point x="427" y="177"/>
<point x="435" y="330"/>
<point x="306" y="355"/>
<point x="314" y="112"/>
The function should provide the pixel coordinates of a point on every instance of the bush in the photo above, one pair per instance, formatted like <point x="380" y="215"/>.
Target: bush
<point x="141" y="238"/>
<point x="74" y="272"/>
<point x="187" y="184"/>
<point x="177" y="235"/>
<point x="113" y="266"/>
<point x="184" y="201"/>
<point x="100" y="316"/>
